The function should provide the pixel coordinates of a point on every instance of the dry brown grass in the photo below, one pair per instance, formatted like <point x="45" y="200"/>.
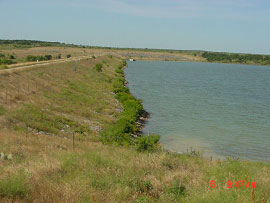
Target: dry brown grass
<point x="99" y="173"/>
<point x="21" y="54"/>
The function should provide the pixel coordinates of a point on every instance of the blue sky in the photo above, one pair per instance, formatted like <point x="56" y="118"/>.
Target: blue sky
<point x="215" y="25"/>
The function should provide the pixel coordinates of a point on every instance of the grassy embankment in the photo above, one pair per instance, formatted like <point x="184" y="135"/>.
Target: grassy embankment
<point x="53" y="101"/>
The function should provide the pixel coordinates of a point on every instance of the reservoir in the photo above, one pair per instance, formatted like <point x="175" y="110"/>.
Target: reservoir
<point x="222" y="110"/>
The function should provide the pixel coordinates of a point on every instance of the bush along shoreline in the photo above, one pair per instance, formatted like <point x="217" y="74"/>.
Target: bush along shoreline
<point x="126" y="132"/>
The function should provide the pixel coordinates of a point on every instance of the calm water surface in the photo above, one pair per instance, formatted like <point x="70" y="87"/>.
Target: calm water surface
<point x="221" y="109"/>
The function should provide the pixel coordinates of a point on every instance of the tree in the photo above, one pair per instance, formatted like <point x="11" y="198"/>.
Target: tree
<point x="48" y="57"/>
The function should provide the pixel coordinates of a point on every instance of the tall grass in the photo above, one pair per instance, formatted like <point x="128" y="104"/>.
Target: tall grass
<point x="2" y="110"/>
<point x="14" y="186"/>
<point x="3" y="66"/>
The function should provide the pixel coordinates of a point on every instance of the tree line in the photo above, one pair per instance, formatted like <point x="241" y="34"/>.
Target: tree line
<point x="30" y="42"/>
<point x="7" y="60"/>
<point x="237" y="58"/>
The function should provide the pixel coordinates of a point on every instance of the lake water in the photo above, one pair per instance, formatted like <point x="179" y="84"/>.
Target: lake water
<point x="220" y="109"/>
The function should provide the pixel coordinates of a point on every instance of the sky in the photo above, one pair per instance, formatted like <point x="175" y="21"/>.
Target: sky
<point x="241" y="26"/>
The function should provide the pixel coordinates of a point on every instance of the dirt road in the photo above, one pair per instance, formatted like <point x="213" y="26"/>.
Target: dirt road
<point x="22" y="66"/>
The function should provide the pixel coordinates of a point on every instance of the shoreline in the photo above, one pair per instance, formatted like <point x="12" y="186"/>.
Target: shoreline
<point x="144" y="116"/>
<point x="127" y="129"/>
<point x="198" y="61"/>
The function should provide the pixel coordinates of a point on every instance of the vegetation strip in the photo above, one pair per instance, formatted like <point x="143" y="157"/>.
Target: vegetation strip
<point x="124" y="130"/>
<point x="237" y="58"/>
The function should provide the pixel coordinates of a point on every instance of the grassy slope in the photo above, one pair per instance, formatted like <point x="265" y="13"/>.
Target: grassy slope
<point x="44" y="167"/>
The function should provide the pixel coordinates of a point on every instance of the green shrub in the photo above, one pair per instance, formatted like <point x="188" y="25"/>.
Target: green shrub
<point x="14" y="186"/>
<point x="124" y="63"/>
<point x="11" y="57"/>
<point x="148" y="143"/>
<point x="6" y="61"/>
<point x="69" y="55"/>
<point x="120" y="133"/>
<point x="118" y="83"/>
<point x="120" y="71"/>
<point x="48" y="57"/>
<point x="121" y="89"/>
<point x="132" y="109"/>
<point x="31" y="58"/>
<point x="35" y="58"/>
<point x="98" y="67"/>
<point x="176" y="189"/>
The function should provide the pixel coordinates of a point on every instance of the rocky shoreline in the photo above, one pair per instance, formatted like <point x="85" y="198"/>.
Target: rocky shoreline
<point x="140" y="123"/>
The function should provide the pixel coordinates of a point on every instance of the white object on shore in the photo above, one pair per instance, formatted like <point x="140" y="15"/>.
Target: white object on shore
<point x="131" y="59"/>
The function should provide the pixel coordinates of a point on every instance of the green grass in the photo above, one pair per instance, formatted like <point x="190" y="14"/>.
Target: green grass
<point x="122" y="174"/>
<point x="47" y="121"/>
<point x="14" y="186"/>
<point x="3" y="66"/>
<point x="74" y="100"/>
<point x="2" y="110"/>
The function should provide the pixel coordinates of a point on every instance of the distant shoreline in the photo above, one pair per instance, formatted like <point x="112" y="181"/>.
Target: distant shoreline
<point x="201" y="61"/>
<point x="16" y="52"/>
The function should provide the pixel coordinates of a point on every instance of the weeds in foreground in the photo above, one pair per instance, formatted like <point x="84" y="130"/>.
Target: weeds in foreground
<point x="98" y="67"/>
<point x="14" y="186"/>
<point x="148" y="143"/>
<point x="2" y="110"/>
<point x="3" y="66"/>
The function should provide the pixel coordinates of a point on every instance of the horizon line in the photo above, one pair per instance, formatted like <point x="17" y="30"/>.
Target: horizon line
<point x="146" y="48"/>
